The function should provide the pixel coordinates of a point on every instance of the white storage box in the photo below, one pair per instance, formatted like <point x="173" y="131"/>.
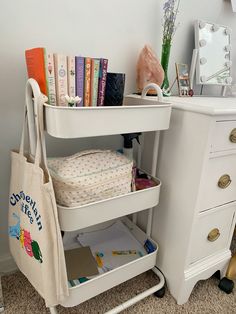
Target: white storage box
<point x="90" y="176"/>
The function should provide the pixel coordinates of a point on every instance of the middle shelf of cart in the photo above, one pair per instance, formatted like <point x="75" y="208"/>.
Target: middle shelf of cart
<point x="74" y="218"/>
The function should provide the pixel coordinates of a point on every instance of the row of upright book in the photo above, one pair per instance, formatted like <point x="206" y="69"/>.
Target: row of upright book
<point x="59" y="75"/>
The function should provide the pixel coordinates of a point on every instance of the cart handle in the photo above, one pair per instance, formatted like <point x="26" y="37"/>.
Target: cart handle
<point x="153" y="86"/>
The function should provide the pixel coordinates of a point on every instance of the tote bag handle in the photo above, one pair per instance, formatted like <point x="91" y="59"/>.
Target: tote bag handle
<point x="34" y="101"/>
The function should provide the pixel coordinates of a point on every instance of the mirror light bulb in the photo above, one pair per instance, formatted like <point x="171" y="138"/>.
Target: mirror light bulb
<point x="202" y="24"/>
<point x="228" y="48"/>
<point x="228" y="31"/>
<point x="228" y="64"/>
<point x="203" y="60"/>
<point x="202" y="42"/>
<point x="215" y="27"/>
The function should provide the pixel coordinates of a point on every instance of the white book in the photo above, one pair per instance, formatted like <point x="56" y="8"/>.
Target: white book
<point x="60" y="62"/>
<point x="50" y="77"/>
<point x="71" y="76"/>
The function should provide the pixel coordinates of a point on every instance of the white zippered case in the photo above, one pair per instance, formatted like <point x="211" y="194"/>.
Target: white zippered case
<point x="90" y="176"/>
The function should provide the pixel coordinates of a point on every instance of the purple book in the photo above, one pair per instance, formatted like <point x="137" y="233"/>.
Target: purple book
<point x="102" y="81"/>
<point x="79" y="79"/>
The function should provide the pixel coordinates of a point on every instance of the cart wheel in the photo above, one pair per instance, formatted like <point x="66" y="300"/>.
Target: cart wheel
<point x="226" y="285"/>
<point x="160" y="293"/>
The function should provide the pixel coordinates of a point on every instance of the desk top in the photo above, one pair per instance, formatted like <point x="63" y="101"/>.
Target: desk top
<point x="205" y="105"/>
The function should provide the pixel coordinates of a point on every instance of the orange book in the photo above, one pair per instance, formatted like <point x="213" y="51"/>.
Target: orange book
<point x="36" y="67"/>
<point x="87" y="82"/>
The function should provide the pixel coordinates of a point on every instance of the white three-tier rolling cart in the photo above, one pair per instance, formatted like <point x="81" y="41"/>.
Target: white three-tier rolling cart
<point x="137" y="115"/>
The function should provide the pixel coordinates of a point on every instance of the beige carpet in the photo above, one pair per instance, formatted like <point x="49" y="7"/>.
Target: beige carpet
<point x="206" y="298"/>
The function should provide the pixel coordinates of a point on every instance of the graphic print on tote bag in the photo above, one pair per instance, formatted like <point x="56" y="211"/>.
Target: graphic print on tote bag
<point x="31" y="246"/>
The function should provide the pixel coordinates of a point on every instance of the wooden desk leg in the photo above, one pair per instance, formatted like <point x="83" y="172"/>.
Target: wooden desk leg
<point x="1" y="296"/>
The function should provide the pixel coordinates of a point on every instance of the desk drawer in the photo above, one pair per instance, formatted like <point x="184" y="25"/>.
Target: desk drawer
<point x="224" y="136"/>
<point x="218" y="185"/>
<point x="212" y="232"/>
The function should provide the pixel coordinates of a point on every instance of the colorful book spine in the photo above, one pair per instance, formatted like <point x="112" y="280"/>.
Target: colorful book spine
<point x="94" y="81"/>
<point x="87" y="82"/>
<point x="79" y="78"/>
<point x="102" y="81"/>
<point x="61" y="78"/>
<point x="50" y="77"/>
<point x="36" y="67"/>
<point x="71" y="76"/>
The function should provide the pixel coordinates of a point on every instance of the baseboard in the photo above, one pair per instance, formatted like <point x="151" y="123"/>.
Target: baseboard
<point x="7" y="264"/>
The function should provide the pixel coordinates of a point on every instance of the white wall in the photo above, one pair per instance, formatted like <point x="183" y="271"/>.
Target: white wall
<point x="113" y="29"/>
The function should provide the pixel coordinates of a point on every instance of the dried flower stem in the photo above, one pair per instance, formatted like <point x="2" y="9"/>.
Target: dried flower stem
<point x="170" y="13"/>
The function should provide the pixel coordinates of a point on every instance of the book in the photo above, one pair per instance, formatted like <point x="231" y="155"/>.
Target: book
<point x="36" y="67"/>
<point x="61" y="78"/>
<point x="102" y="81"/>
<point x="50" y="77"/>
<point x="40" y="66"/>
<point x="80" y="263"/>
<point x="94" y="81"/>
<point x="87" y="81"/>
<point x="79" y="78"/>
<point x="71" y="76"/>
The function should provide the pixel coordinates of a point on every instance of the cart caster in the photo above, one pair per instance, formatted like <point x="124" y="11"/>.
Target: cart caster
<point x="160" y="293"/>
<point x="226" y="285"/>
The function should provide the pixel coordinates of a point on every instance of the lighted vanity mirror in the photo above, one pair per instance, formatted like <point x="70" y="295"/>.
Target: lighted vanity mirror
<point x="213" y="43"/>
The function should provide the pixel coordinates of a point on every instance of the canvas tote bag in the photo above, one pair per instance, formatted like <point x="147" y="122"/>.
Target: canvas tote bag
<point x="34" y="233"/>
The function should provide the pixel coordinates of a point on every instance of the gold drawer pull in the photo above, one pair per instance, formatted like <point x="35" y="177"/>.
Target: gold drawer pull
<point x="224" y="181"/>
<point x="213" y="235"/>
<point x="232" y="136"/>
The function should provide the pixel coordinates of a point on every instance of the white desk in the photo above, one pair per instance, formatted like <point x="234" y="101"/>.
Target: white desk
<point x="195" y="219"/>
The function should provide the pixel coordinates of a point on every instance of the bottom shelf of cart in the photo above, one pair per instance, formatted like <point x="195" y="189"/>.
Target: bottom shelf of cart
<point x="112" y="278"/>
